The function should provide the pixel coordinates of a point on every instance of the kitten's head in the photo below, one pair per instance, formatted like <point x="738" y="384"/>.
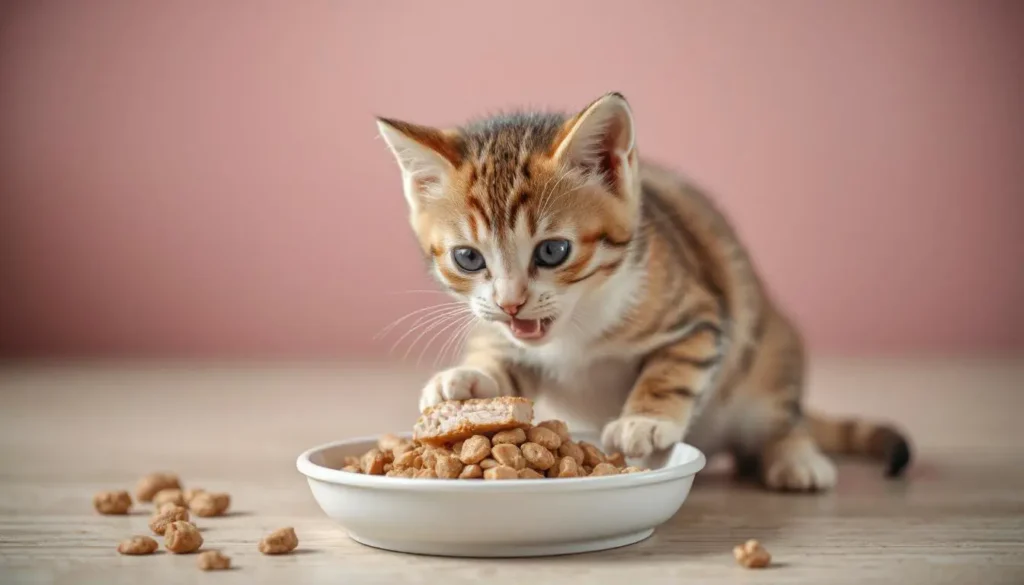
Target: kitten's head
<point x="523" y="215"/>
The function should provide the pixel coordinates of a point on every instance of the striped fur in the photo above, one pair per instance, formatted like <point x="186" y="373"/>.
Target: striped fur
<point x="658" y="327"/>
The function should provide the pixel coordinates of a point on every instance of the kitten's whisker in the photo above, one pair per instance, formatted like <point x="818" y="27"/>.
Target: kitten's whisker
<point x="433" y="325"/>
<point x="461" y="349"/>
<point x="452" y="342"/>
<point x="390" y="326"/>
<point x="457" y="322"/>
<point x="428" y="321"/>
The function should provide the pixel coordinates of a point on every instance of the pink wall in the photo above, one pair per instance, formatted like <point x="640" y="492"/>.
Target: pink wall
<point x="204" y="178"/>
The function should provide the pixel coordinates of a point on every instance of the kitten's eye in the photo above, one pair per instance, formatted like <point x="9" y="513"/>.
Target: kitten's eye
<point x="551" y="253"/>
<point x="468" y="259"/>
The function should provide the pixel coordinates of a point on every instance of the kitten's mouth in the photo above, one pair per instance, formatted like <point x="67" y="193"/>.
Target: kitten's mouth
<point x="529" y="329"/>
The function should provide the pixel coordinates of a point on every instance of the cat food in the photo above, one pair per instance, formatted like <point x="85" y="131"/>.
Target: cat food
<point x="117" y="502"/>
<point x="166" y="515"/>
<point x="279" y="542"/>
<point x="504" y="445"/>
<point x="208" y="504"/>
<point x="752" y="555"/>
<point x="213" y="560"/>
<point x="151" y="484"/>
<point x="137" y="545"/>
<point x="169" y="496"/>
<point x="189" y="494"/>
<point x="182" y="537"/>
<point x="455" y="420"/>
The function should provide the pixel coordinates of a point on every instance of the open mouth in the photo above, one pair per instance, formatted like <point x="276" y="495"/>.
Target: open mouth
<point x="530" y="329"/>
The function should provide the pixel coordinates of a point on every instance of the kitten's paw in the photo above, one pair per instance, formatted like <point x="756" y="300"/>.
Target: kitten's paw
<point x="799" y="469"/>
<point x="457" y="384"/>
<point x="638" y="436"/>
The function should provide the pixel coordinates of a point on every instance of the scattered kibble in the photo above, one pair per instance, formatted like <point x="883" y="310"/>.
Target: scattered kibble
<point x="752" y="555"/>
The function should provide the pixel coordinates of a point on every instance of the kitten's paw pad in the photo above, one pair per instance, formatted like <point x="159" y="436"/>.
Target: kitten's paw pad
<point x="457" y="384"/>
<point x="638" y="436"/>
<point x="800" y="470"/>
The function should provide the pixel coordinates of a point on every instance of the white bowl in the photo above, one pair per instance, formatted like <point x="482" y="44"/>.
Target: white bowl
<point x="512" y="518"/>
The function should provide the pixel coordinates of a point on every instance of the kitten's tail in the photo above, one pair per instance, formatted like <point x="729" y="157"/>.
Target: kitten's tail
<point x="852" y="436"/>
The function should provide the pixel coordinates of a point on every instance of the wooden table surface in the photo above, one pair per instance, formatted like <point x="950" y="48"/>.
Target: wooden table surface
<point x="69" y="431"/>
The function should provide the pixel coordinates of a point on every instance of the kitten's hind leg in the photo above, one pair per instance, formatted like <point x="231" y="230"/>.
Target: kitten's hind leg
<point x="793" y="462"/>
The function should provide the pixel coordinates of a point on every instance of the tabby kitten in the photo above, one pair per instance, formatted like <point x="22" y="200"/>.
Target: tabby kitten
<point x="614" y="292"/>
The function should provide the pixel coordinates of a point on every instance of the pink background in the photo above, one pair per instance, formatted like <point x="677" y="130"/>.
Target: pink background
<point x="204" y="178"/>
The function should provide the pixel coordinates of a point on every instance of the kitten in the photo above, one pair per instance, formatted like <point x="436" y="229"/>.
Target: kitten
<point x="613" y="290"/>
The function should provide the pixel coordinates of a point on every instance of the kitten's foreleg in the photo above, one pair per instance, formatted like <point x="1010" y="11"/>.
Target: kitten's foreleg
<point x="485" y="372"/>
<point x="671" y="383"/>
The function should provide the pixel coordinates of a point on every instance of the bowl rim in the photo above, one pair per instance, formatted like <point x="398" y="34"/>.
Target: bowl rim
<point x="311" y="470"/>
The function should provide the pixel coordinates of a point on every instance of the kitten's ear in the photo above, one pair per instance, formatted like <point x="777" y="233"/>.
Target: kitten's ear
<point x="427" y="156"/>
<point x="601" y="139"/>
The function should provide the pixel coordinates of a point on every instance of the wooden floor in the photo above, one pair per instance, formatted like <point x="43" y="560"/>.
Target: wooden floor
<point x="66" y="432"/>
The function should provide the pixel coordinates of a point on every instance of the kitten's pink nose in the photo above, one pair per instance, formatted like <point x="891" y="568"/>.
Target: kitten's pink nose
<point x="510" y="294"/>
<point x="513" y="307"/>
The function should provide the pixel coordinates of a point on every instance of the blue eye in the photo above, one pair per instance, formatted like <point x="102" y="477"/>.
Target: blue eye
<point x="468" y="259"/>
<point x="551" y="253"/>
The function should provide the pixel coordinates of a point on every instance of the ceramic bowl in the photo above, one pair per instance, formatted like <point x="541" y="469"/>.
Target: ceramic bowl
<point x="512" y="518"/>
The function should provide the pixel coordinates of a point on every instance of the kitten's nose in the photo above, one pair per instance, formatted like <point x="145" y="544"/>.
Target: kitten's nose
<point x="510" y="295"/>
<point x="513" y="307"/>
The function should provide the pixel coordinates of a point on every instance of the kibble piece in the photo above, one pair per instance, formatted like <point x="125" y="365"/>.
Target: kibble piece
<point x="151" y="484"/>
<point x="501" y="472"/>
<point x="182" y="537"/>
<point x="118" y="502"/>
<point x="567" y="467"/>
<point x="372" y="463"/>
<point x="168" y="513"/>
<point x="573" y="450"/>
<point x="507" y="454"/>
<point x="137" y="545"/>
<point x="279" y="542"/>
<point x="389" y="441"/>
<point x="471" y="472"/>
<point x="752" y="555"/>
<point x="406" y="472"/>
<point x="448" y="467"/>
<point x="208" y="504"/>
<point x="488" y="463"/>
<point x="553" y="470"/>
<point x="529" y="474"/>
<point x="212" y="560"/>
<point x="510" y="437"/>
<point x="169" y="496"/>
<point x="426" y="473"/>
<point x="431" y="455"/>
<point x="405" y="460"/>
<point x="560" y="428"/>
<point x="475" y="449"/>
<point x="191" y="493"/>
<point x="352" y="469"/>
<point x="545" y="438"/>
<point x="353" y="460"/>
<point x="403" y="448"/>
<point x="457" y="448"/>
<point x="616" y="459"/>
<point x="632" y="469"/>
<point x="537" y="457"/>
<point x="591" y="454"/>
<point x="605" y="469"/>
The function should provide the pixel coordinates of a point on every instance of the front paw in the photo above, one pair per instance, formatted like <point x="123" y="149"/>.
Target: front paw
<point x="457" y="384"/>
<point x="637" y="436"/>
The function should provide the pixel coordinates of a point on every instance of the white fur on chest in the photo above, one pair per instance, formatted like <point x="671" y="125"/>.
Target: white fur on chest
<point x="586" y="395"/>
<point x="585" y="382"/>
